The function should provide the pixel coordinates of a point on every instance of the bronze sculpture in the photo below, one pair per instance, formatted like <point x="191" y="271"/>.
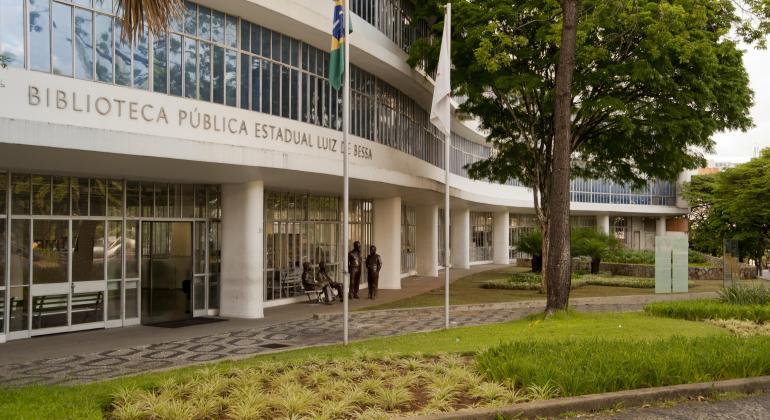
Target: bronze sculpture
<point x="354" y="268"/>
<point x="323" y="277"/>
<point x="309" y="283"/>
<point x="373" y="266"/>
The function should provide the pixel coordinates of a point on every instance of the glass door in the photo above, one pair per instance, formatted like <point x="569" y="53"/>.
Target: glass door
<point x="67" y="291"/>
<point x="167" y="271"/>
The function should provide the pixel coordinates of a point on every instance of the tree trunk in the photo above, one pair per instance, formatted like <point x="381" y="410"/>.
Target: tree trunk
<point x="558" y="269"/>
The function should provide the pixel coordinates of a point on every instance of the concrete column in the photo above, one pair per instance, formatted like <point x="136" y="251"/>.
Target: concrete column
<point x="603" y="223"/>
<point x="502" y="232"/>
<point x="461" y="241"/>
<point x="660" y="226"/>
<point x="242" y="250"/>
<point x="387" y="239"/>
<point x="427" y="241"/>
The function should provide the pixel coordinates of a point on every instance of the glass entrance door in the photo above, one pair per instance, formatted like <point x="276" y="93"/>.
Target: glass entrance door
<point x="63" y="298"/>
<point x="167" y="271"/>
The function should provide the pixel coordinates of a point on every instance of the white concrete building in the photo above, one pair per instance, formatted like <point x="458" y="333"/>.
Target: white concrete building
<point x="187" y="175"/>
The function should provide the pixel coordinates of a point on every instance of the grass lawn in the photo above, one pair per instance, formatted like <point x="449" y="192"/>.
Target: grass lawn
<point x="467" y="290"/>
<point x="90" y="401"/>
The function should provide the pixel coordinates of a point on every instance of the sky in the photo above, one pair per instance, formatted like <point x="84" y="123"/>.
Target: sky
<point x="739" y="147"/>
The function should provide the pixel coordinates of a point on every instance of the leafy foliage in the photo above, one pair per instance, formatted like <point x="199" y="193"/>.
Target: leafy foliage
<point x="3" y="61"/>
<point x="653" y="81"/>
<point x="579" y="367"/>
<point x="732" y="205"/>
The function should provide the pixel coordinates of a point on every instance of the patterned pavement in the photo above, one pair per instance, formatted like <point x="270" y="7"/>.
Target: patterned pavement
<point x="81" y="368"/>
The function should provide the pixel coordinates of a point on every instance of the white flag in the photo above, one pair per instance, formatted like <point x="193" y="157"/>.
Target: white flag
<point x="440" y="112"/>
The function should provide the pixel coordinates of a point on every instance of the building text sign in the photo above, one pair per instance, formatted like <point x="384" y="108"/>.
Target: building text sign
<point x="191" y="118"/>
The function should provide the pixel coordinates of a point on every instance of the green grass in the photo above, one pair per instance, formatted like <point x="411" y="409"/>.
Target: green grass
<point x="745" y="295"/>
<point x="697" y="310"/>
<point x="469" y="290"/>
<point x="579" y="367"/>
<point x="88" y="401"/>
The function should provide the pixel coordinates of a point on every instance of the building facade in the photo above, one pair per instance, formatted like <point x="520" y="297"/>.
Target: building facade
<point x="191" y="174"/>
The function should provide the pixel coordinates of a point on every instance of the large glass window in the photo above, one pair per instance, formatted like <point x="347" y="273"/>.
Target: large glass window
<point x="62" y="39"/>
<point x="103" y="40"/>
<point x="408" y="239"/>
<point x="123" y="74"/>
<point x="39" y="34"/>
<point x="481" y="236"/>
<point x="87" y="250"/>
<point x="84" y="44"/>
<point x="12" y="32"/>
<point x="50" y="248"/>
<point x="142" y="61"/>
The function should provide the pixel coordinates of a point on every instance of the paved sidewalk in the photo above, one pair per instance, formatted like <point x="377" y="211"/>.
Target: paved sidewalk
<point x="79" y="367"/>
<point x="98" y="355"/>
<point x="753" y="407"/>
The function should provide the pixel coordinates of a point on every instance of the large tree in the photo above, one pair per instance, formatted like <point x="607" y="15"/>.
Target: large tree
<point x="732" y="205"/>
<point x="653" y="81"/>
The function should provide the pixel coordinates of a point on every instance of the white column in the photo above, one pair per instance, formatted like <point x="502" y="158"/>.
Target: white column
<point x="502" y="232"/>
<point x="461" y="241"/>
<point x="427" y="241"/>
<point x="660" y="226"/>
<point x="603" y="223"/>
<point x="387" y="239"/>
<point x="242" y="250"/>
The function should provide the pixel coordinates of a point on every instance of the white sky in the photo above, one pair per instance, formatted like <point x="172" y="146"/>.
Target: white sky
<point x="738" y="146"/>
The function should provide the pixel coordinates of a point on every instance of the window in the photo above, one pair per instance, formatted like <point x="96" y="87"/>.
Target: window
<point x="12" y="32"/>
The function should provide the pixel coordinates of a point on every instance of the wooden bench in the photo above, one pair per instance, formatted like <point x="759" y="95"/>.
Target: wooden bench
<point x="89" y="303"/>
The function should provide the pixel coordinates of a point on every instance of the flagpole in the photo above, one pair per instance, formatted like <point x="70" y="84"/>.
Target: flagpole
<point x="447" y="151"/>
<point x="345" y="175"/>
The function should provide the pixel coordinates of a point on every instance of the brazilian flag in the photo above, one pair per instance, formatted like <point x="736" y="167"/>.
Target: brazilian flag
<point x="339" y="43"/>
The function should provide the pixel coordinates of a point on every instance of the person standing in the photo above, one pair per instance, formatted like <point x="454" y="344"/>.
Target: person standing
<point x="354" y="268"/>
<point x="373" y="266"/>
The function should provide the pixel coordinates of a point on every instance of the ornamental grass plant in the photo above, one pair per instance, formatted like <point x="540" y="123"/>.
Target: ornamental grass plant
<point x="701" y="310"/>
<point x="579" y="367"/>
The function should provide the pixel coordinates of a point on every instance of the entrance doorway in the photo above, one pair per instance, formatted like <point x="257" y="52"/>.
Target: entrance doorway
<point x="167" y="271"/>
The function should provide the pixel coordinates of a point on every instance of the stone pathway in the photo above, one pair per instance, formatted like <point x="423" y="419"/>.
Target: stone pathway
<point x="315" y="330"/>
<point x="754" y="407"/>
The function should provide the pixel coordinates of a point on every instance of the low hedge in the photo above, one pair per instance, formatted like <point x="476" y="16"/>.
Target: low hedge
<point x="579" y="367"/>
<point x="532" y="281"/>
<point x="699" y="310"/>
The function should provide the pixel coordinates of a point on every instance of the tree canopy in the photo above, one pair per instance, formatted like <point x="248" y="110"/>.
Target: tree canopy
<point x="732" y="205"/>
<point x="654" y="80"/>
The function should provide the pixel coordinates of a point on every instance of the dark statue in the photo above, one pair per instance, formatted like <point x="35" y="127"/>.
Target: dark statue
<point x="324" y="278"/>
<point x="373" y="266"/>
<point x="354" y="268"/>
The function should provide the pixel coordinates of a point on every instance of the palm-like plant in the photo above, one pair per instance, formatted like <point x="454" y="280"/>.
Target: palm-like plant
<point x="155" y="15"/>
<point x="532" y="244"/>
<point x="592" y="243"/>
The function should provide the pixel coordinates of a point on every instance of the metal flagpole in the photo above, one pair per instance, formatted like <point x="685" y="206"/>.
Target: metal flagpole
<point x="345" y="178"/>
<point x="447" y="150"/>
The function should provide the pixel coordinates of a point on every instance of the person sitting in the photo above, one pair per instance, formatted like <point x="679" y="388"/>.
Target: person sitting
<point x="310" y="284"/>
<point x="323" y="277"/>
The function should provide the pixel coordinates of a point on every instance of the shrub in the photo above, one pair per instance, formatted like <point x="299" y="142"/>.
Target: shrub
<point x="742" y="295"/>
<point x="630" y="256"/>
<point x="699" y="310"/>
<point x="532" y="244"/>
<point x="579" y="367"/>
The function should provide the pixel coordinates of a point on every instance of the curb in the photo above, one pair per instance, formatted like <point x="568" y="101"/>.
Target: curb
<point x="534" y="304"/>
<point x="595" y="402"/>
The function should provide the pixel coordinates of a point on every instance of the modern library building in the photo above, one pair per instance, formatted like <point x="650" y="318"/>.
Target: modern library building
<point x="188" y="174"/>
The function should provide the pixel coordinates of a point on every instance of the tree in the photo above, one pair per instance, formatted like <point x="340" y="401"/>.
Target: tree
<point x="653" y="81"/>
<point x="3" y="61"/>
<point x="153" y="14"/>
<point x="559" y="265"/>
<point x="732" y="205"/>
